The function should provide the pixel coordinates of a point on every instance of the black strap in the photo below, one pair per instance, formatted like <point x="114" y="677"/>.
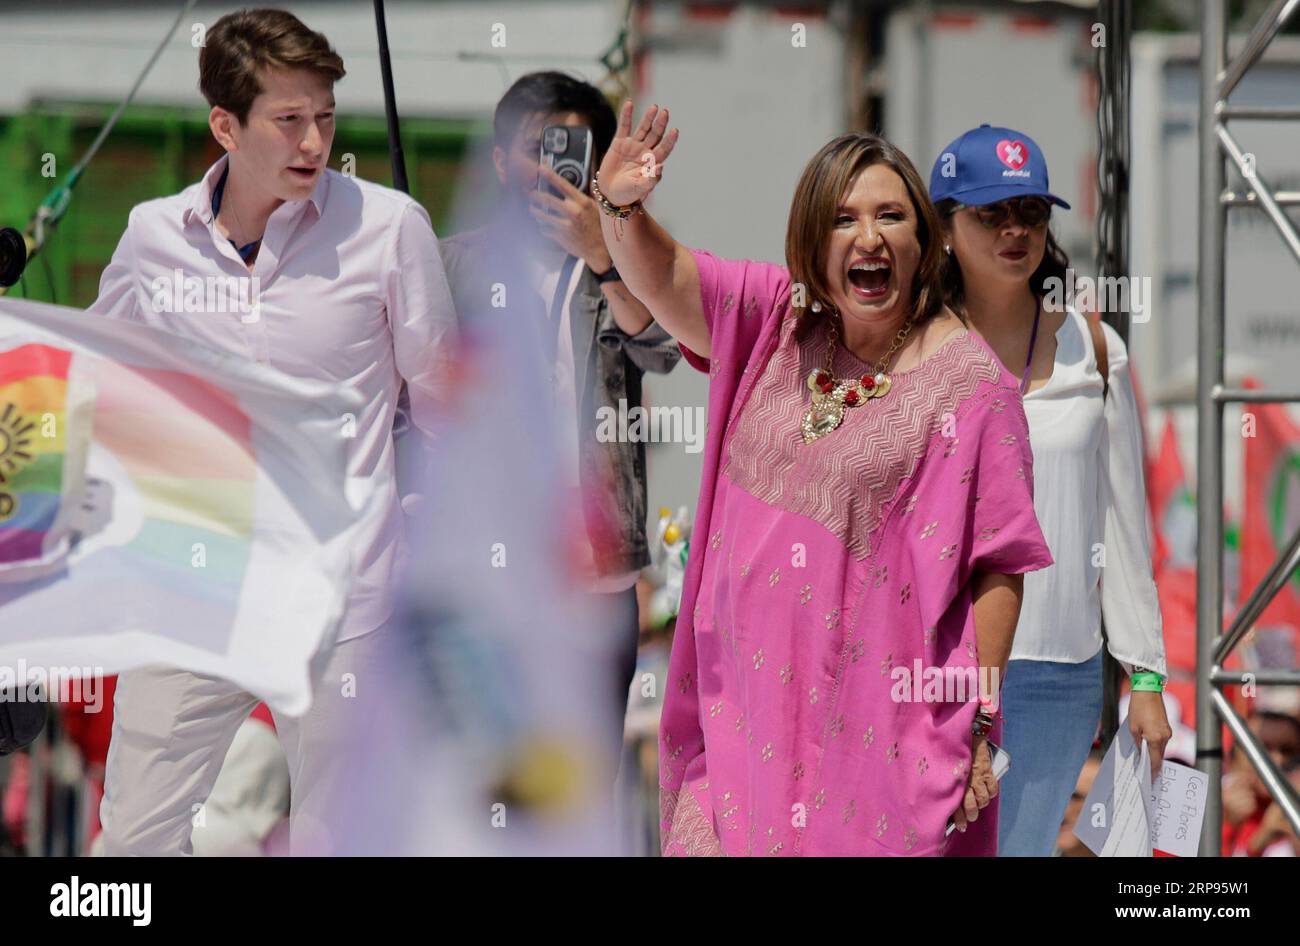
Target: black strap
<point x="1033" y="340"/>
<point x="557" y="301"/>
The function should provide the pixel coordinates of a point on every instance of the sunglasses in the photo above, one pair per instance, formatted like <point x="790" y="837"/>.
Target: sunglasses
<point x="1033" y="212"/>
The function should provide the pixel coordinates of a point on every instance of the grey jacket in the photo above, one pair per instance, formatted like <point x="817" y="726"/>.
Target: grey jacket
<point x="608" y="367"/>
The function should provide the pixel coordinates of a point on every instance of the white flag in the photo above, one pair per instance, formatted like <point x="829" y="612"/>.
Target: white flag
<point x="162" y="502"/>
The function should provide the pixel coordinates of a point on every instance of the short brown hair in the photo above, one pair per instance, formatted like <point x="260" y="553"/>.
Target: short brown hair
<point x="241" y="44"/>
<point x="822" y="187"/>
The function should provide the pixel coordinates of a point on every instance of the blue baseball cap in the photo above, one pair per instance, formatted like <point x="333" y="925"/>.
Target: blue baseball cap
<point x="989" y="164"/>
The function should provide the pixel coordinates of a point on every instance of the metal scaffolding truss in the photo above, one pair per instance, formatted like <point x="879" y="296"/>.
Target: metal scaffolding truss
<point x="1219" y="77"/>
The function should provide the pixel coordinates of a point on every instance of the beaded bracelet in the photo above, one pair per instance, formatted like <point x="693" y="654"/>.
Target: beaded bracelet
<point x="612" y="210"/>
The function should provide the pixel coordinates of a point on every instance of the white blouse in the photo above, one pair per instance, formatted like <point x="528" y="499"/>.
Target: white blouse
<point x="1090" y="498"/>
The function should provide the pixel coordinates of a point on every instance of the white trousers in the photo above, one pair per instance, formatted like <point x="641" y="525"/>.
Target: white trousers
<point x="172" y="728"/>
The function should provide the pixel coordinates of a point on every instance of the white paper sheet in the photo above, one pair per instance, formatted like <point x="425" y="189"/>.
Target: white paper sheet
<point x="1178" y="809"/>
<point x="1115" y="818"/>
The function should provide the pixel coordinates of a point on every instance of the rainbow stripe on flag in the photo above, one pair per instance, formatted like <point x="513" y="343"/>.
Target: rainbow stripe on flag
<point x="186" y="447"/>
<point x="33" y="396"/>
<point x="165" y="503"/>
<point x="183" y="443"/>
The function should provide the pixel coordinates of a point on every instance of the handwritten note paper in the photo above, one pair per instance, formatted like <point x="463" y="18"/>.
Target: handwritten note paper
<point x="1127" y="815"/>
<point x="1177" y="810"/>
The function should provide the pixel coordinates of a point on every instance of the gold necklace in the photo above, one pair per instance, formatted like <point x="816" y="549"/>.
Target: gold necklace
<point x="831" y="397"/>
<point x="229" y="204"/>
<point x="226" y="202"/>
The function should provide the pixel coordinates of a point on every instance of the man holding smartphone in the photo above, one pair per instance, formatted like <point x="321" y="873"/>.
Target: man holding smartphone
<point x="544" y="251"/>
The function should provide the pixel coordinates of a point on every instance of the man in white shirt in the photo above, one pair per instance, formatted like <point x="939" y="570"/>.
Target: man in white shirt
<point x="339" y="280"/>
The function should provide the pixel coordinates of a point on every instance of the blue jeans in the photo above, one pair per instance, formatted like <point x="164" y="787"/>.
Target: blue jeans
<point x="1050" y="714"/>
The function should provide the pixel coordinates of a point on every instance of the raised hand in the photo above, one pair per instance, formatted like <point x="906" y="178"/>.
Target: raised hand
<point x="633" y="165"/>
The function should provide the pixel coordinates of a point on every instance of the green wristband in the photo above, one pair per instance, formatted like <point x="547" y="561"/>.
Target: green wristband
<point x="1148" y="681"/>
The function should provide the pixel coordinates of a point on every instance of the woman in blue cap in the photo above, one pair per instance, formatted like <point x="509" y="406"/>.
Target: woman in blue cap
<point x="1005" y="276"/>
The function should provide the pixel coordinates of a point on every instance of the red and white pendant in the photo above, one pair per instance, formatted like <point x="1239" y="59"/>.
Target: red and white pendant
<point x="831" y="398"/>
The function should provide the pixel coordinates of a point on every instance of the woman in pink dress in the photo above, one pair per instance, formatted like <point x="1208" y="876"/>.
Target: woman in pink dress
<point x="865" y="517"/>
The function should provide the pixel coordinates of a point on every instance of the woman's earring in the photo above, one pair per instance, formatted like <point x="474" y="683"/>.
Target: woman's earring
<point x="947" y="249"/>
<point x="816" y="306"/>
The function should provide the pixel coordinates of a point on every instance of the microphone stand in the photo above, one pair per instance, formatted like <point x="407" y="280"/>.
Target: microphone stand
<point x="390" y="103"/>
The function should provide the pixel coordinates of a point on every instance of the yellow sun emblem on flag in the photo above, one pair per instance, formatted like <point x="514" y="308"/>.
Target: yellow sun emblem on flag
<point x="15" y="451"/>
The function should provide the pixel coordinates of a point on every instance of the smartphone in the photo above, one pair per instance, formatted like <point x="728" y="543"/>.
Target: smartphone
<point x="1001" y="762"/>
<point x="566" y="149"/>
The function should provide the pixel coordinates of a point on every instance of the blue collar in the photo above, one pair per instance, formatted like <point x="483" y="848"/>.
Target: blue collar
<point x="246" y="251"/>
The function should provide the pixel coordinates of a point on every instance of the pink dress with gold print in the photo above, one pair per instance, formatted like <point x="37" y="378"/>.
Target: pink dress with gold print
<point x="818" y="574"/>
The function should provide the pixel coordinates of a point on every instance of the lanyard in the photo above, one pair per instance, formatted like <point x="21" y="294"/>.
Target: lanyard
<point x="1033" y="339"/>
<point x="557" y="302"/>
<point x="248" y="249"/>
